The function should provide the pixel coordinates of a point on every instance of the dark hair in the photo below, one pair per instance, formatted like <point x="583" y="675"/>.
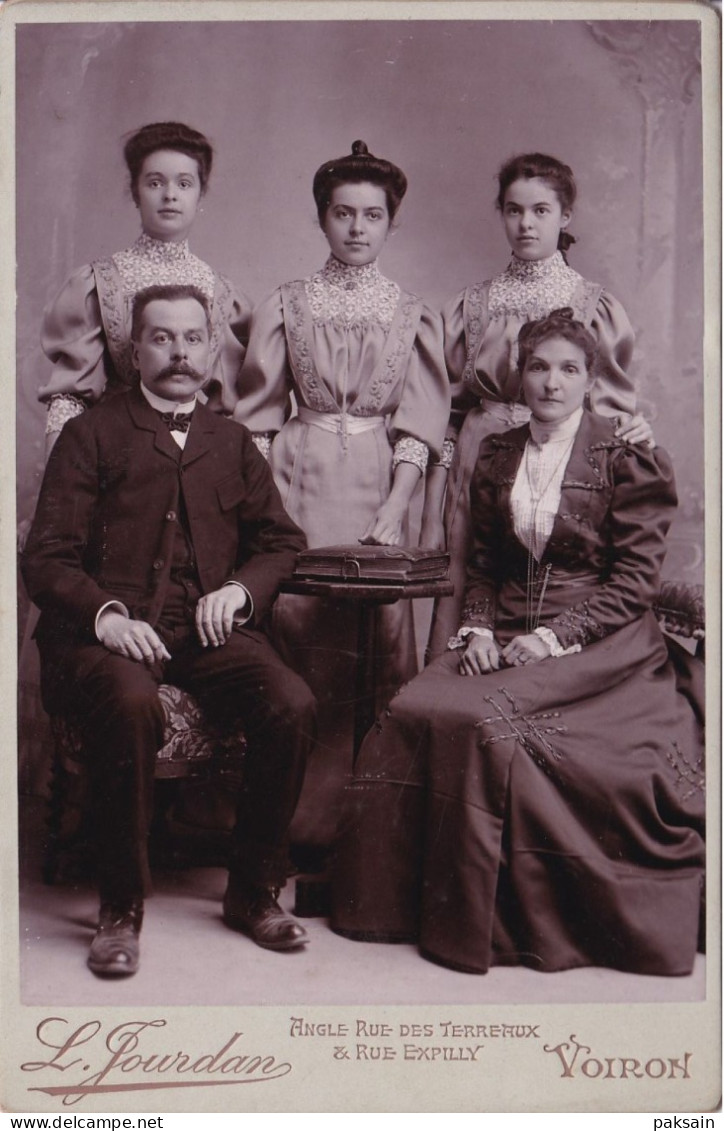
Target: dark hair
<point x="558" y="324"/>
<point x="355" y="168"/>
<point x="167" y="135"/>
<point x="166" y="292"/>
<point x="549" y="169"/>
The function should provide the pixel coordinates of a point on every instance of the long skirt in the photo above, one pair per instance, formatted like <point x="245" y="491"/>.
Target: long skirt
<point x="332" y="489"/>
<point x="548" y="816"/>
<point x="488" y="418"/>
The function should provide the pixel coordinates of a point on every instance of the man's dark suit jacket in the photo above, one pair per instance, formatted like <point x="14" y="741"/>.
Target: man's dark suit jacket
<point x="112" y="495"/>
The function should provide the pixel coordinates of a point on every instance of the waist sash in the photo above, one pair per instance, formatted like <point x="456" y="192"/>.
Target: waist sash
<point x="341" y="423"/>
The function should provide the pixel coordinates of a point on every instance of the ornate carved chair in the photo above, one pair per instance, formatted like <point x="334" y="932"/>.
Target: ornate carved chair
<point x="680" y="611"/>
<point x="193" y="748"/>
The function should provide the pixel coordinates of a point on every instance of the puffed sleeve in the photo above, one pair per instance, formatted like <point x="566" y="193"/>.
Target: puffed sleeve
<point x="614" y="390"/>
<point x="72" y="338"/>
<point x="265" y="380"/>
<point x="424" y="407"/>
<point x="483" y="567"/>
<point x="455" y="345"/>
<point x="234" y="318"/>
<point x="640" y="513"/>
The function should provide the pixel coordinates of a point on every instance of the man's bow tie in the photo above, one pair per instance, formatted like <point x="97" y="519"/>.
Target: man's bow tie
<point x="178" y="423"/>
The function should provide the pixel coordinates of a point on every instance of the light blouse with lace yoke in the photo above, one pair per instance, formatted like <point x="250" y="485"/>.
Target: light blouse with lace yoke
<point x="354" y="348"/>
<point x="481" y="337"/>
<point x="86" y="330"/>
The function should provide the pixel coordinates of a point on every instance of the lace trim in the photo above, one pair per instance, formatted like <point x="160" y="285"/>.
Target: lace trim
<point x="446" y="455"/>
<point x="350" y="274"/>
<point x="556" y="648"/>
<point x="263" y="441"/>
<point x="315" y="392"/>
<point x="62" y="408"/>
<point x="531" y="290"/>
<point x="409" y="450"/>
<point x="152" y="262"/>
<point x="115" y="320"/>
<point x="349" y="296"/>
<point x="461" y="640"/>
<point x="398" y="347"/>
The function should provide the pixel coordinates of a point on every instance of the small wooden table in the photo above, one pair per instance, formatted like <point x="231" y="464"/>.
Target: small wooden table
<point x="367" y="596"/>
<point x="313" y="892"/>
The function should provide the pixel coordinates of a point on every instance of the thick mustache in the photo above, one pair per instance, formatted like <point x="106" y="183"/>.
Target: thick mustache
<point x="180" y="367"/>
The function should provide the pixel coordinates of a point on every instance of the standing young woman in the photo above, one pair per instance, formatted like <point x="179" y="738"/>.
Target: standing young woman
<point x="364" y="361"/>
<point x="86" y="330"/>
<point x="536" y="197"/>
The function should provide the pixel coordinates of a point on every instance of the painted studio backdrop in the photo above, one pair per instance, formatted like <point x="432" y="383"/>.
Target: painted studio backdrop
<point x="448" y="101"/>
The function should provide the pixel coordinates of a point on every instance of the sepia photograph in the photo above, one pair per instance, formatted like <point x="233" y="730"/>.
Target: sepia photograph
<point x="360" y="510"/>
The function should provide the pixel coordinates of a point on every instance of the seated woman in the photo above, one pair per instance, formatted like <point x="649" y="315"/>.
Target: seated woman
<point x="535" y="796"/>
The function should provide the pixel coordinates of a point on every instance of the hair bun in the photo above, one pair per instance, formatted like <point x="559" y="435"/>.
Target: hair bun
<point x="359" y="149"/>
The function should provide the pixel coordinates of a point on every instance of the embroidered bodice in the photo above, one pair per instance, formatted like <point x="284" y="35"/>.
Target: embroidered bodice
<point x="348" y="296"/>
<point x="150" y="262"/>
<point x="533" y="288"/>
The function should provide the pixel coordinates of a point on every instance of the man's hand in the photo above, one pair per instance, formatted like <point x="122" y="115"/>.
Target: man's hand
<point x="215" y="614"/>
<point x="133" y="639"/>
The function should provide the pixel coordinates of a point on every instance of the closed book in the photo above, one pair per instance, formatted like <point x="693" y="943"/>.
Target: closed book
<point x="372" y="563"/>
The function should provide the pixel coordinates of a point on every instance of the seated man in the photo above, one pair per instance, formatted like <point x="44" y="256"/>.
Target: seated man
<point x="158" y="546"/>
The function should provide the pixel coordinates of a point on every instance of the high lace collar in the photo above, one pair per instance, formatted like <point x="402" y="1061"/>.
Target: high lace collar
<point x="532" y="270"/>
<point x="350" y="275"/>
<point x="161" y="250"/>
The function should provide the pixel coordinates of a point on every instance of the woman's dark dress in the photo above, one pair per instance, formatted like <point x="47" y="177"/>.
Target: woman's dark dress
<point x="548" y="815"/>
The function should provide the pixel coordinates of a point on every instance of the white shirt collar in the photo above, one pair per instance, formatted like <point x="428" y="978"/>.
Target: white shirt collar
<point x="163" y="405"/>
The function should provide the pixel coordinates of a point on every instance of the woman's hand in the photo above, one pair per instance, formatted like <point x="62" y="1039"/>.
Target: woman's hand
<point x="480" y="657"/>
<point x="385" y="529"/>
<point x="528" y="649"/>
<point x="635" y="430"/>
<point x="432" y="532"/>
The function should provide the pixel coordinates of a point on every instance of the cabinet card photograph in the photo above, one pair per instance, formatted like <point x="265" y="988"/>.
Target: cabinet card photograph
<point x="360" y="507"/>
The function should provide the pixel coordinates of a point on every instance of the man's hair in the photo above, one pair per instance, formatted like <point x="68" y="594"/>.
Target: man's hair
<point x="169" y="292"/>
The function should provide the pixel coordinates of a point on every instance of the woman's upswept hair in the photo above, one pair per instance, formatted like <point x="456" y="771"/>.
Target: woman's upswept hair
<point x="355" y="168"/>
<point x="549" y="169"/>
<point x="558" y="324"/>
<point x="167" y="135"/>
